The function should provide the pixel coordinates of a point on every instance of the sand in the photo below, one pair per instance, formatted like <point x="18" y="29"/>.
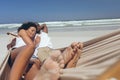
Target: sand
<point x="3" y="50"/>
<point x="63" y="39"/>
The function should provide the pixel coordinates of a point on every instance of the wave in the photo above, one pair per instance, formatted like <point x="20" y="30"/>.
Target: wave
<point x="59" y="24"/>
<point x="9" y="26"/>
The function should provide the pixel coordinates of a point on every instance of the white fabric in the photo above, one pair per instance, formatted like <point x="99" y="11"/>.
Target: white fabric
<point x="19" y="42"/>
<point x="44" y="42"/>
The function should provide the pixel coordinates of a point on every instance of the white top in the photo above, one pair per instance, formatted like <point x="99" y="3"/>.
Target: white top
<point x="44" y="42"/>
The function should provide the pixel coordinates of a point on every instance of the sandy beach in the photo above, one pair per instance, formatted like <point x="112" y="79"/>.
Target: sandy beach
<point x="63" y="39"/>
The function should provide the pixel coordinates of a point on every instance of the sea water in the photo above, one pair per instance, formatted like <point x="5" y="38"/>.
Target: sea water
<point x="103" y="24"/>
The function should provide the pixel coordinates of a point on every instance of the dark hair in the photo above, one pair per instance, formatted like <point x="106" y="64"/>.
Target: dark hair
<point x="37" y="24"/>
<point x="27" y="25"/>
<point x="38" y="31"/>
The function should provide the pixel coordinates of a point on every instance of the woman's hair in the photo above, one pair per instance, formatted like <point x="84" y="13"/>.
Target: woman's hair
<point x="27" y="25"/>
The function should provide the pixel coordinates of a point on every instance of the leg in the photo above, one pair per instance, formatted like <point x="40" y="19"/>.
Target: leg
<point x="13" y="55"/>
<point x="33" y="69"/>
<point x="20" y="62"/>
<point x="50" y="69"/>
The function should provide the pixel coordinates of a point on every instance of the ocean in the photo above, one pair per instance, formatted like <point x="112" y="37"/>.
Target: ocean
<point x="83" y="25"/>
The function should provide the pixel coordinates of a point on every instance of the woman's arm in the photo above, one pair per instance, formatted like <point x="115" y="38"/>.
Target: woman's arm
<point x="22" y="33"/>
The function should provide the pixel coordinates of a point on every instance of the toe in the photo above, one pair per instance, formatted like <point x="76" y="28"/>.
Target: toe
<point x="61" y="64"/>
<point x="73" y="44"/>
<point x="80" y="44"/>
<point x="59" y="58"/>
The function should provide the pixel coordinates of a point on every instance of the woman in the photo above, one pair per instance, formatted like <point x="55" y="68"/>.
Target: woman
<point x="27" y="32"/>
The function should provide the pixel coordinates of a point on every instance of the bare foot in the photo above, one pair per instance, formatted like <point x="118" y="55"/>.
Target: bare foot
<point x="50" y="69"/>
<point x="77" y="45"/>
<point x="73" y="53"/>
<point x="68" y="54"/>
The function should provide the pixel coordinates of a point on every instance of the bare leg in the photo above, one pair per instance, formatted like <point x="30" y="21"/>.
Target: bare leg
<point x="50" y="70"/>
<point x="13" y="55"/>
<point x="68" y="54"/>
<point x="35" y="67"/>
<point x="20" y="62"/>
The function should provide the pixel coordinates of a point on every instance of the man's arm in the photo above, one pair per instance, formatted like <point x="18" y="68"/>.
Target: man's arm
<point x="44" y="28"/>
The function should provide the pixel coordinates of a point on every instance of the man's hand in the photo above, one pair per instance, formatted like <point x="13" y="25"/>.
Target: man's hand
<point x="44" y="28"/>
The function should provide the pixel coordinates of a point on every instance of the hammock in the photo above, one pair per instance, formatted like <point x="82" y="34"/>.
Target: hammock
<point x="97" y="59"/>
<point x="98" y="55"/>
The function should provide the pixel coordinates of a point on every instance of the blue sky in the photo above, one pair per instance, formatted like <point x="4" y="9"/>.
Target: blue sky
<point x="17" y="11"/>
